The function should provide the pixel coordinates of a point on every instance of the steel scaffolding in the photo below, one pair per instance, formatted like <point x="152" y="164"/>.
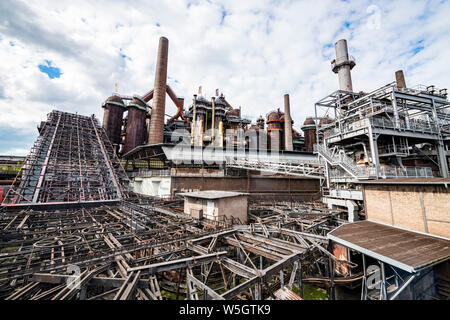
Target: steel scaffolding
<point x="71" y="161"/>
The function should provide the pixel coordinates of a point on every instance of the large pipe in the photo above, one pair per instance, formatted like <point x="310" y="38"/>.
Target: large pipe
<point x="213" y="129"/>
<point x="342" y="65"/>
<point x="400" y="78"/>
<point x="288" y="146"/>
<point x="194" y="121"/>
<point x="156" y="134"/>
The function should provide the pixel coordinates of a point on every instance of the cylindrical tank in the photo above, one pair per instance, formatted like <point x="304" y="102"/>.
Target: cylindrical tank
<point x="137" y="112"/>
<point x="112" y="119"/>
<point x="156" y="134"/>
<point x="274" y="130"/>
<point x="309" y="128"/>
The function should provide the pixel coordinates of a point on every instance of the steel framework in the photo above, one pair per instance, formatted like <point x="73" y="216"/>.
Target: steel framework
<point x="71" y="161"/>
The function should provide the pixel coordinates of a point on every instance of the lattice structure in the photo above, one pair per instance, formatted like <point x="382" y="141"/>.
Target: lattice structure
<point x="152" y="251"/>
<point x="71" y="161"/>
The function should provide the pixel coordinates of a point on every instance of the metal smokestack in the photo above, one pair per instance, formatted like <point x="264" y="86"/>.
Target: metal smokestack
<point x="213" y="128"/>
<point x="287" y="125"/>
<point x="400" y="78"/>
<point x="156" y="134"/>
<point x="342" y="65"/>
<point x="194" y="122"/>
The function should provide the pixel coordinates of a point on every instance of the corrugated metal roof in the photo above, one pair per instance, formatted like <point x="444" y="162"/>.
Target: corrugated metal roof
<point x="407" y="250"/>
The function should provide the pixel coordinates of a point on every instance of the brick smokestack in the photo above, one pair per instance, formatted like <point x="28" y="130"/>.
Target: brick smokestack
<point x="400" y="78"/>
<point x="156" y="134"/>
<point x="287" y="125"/>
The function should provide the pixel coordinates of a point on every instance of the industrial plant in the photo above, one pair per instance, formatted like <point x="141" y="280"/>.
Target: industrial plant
<point x="205" y="204"/>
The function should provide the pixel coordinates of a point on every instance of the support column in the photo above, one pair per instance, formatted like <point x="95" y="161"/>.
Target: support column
<point x="395" y="107"/>
<point x="374" y="150"/>
<point x="442" y="159"/>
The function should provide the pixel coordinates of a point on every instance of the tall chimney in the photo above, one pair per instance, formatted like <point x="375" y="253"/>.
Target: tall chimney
<point x="287" y="125"/>
<point x="342" y="65"/>
<point x="156" y="134"/>
<point x="213" y="115"/>
<point x="194" y="122"/>
<point x="400" y="78"/>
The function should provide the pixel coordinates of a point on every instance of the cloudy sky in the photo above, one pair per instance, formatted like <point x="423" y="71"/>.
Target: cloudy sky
<point x="68" y="55"/>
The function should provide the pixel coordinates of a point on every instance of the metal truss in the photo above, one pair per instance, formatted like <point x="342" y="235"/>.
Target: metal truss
<point x="313" y="169"/>
<point x="72" y="161"/>
<point x="151" y="251"/>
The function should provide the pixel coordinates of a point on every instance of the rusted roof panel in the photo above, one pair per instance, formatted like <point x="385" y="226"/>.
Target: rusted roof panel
<point x="408" y="250"/>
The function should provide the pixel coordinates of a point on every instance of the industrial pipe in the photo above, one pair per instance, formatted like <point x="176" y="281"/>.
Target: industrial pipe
<point x="156" y="134"/>
<point x="288" y="146"/>
<point x="194" y="121"/>
<point x="213" y="99"/>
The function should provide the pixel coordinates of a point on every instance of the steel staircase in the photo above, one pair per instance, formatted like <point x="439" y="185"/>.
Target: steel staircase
<point x="341" y="160"/>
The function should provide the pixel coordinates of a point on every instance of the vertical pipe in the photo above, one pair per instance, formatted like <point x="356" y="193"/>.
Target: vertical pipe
<point x="220" y="134"/>
<point x="288" y="146"/>
<point x="156" y="134"/>
<point x="194" y="122"/>
<point x="213" y="128"/>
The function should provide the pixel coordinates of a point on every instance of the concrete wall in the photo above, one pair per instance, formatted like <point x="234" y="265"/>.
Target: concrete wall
<point x="424" y="208"/>
<point x="152" y="186"/>
<point x="214" y="209"/>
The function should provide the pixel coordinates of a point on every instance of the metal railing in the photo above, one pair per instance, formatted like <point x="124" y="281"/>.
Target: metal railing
<point x="414" y="125"/>
<point x="406" y="172"/>
<point x="387" y="172"/>
<point x="342" y="160"/>
<point x="148" y="173"/>
<point x="341" y="60"/>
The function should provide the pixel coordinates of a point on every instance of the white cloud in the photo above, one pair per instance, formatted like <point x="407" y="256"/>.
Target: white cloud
<point x="261" y="50"/>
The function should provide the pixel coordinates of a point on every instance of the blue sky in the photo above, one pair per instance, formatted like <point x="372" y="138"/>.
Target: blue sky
<point x="68" y="55"/>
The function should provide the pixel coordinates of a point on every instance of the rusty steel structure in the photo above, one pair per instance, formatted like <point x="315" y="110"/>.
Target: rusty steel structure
<point x="72" y="212"/>
<point x="135" y="130"/>
<point x="112" y="119"/>
<point x="147" y="249"/>
<point x="72" y="161"/>
<point x="207" y="121"/>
